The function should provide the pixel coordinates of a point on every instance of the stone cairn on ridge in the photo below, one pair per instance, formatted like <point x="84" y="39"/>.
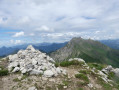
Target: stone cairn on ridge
<point x="33" y="62"/>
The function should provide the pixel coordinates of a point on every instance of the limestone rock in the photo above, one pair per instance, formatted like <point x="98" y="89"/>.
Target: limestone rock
<point x="30" y="47"/>
<point x="33" y="62"/>
<point x="78" y="59"/>
<point x="58" y="70"/>
<point x="32" y="88"/>
<point x="36" y="72"/>
<point x="90" y="85"/>
<point x="116" y="71"/>
<point x="48" y="73"/>
<point x="16" y="69"/>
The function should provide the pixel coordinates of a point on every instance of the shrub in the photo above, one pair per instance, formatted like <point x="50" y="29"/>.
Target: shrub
<point x="84" y="71"/>
<point x="24" y="77"/>
<point x="65" y="63"/>
<point x="81" y="84"/>
<point x="83" y="77"/>
<point x="60" y="86"/>
<point x="106" y="86"/>
<point x="68" y="63"/>
<point x="66" y="83"/>
<point x="56" y="64"/>
<point x="80" y="89"/>
<point x="16" y="80"/>
<point x="75" y="62"/>
<point x="3" y="72"/>
<point x="95" y="65"/>
<point x="111" y="75"/>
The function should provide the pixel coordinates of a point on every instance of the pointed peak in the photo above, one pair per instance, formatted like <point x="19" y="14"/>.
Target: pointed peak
<point x="30" y="47"/>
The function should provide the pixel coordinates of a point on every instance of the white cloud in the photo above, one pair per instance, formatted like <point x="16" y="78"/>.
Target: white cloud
<point x="45" y="29"/>
<point x="31" y="34"/>
<point x="18" y="34"/>
<point x="61" y="19"/>
<point x="16" y="42"/>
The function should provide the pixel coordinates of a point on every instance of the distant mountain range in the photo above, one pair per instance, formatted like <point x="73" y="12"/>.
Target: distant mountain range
<point x="89" y="50"/>
<point x="44" y="47"/>
<point x="111" y="43"/>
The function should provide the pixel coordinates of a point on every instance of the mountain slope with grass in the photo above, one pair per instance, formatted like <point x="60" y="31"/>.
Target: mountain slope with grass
<point x="79" y="76"/>
<point x="89" y="50"/>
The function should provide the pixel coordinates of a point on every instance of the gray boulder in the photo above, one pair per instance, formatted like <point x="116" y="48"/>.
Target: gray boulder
<point x="36" y="72"/>
<point x="16" y="69"/>
<point x="32" y="88"/>
<point x="48" y="73"/>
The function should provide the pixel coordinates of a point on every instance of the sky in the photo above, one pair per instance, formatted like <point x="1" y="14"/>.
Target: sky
<point x="37" y="21"/>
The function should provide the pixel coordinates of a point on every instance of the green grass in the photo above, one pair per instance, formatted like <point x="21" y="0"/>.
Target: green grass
<point x="82" y="77"/>
<point x="89" y="50"/>
<point x="85" y="71"/>
<point x="16" y="80"/>
<point x="80" y="88"/>
<point x="105" y="85"/>
<point x="66" y="83"/>
<point x="56" y="64"/>
<point x="60" y="86"/>
<point x="24" y="77"/>
<point x="68" y="63"/>
<point x="4" y="72"/>
<point x="111" y="75"/>
<point x="97" y="66"/>
<point x="81" y="84"/>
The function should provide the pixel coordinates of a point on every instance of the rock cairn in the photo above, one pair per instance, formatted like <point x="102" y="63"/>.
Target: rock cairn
<point x="33" y="62"/>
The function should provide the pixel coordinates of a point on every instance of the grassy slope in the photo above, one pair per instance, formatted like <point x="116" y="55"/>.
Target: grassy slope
<point x="91" y="51"/>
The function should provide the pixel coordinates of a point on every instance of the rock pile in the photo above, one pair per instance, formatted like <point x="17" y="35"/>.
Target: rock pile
<point x="33" y="62"/>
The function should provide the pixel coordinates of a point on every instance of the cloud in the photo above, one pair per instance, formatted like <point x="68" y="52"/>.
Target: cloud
<point x="45" y="29"/>
<point x="31" y="34"/>
<point x="16" y="42"/>
<point x="60" y="19"/>
<point x="18" y="34"/>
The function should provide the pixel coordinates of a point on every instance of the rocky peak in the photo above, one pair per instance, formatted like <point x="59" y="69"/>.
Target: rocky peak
<point x="33" y="62"/>
<point x="30" y="47"/>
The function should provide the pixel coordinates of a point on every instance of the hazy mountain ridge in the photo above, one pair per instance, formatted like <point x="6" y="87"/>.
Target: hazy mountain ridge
<point x="44" y="47"/>
<point x="111" y="43"/>
<point x="89" y="50"/>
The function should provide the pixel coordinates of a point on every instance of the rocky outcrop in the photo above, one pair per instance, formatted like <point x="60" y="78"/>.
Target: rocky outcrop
<point x="33" y="62"/>
<point x="109" y="68"/>
<point x="78" y="59"/>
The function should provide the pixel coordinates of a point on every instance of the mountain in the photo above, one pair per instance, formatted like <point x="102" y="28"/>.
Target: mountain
<point x="44" y="47"/>
<point x="111" y="43"/>
<point x="89" y="50"/>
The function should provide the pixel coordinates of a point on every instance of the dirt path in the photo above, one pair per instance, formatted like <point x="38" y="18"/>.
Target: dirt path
<point x="1" y="84"/>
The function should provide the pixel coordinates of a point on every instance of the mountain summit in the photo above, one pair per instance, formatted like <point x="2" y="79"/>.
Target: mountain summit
<point x="89" y="50"/>
<point x="33" y="62"/>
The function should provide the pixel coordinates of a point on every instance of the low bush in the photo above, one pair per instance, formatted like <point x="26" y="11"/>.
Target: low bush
<point x="106" y="86"/>
<point x="111" y="75"/>
<point x="84" y="71"/>
<point x="81" y="84"/>
<point x="66" y="83"/>
<point x="68" y="63"/>
<point x="56" y="64"/>
<point x="3" y="72"/>
<point x="97" y="66"/>
<point x="65" y="63"/>
<point x="60" y="86"/>
<point x="80" y="89"/>
<point x="83" y="77"/>
<point x="16" y="80"/>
